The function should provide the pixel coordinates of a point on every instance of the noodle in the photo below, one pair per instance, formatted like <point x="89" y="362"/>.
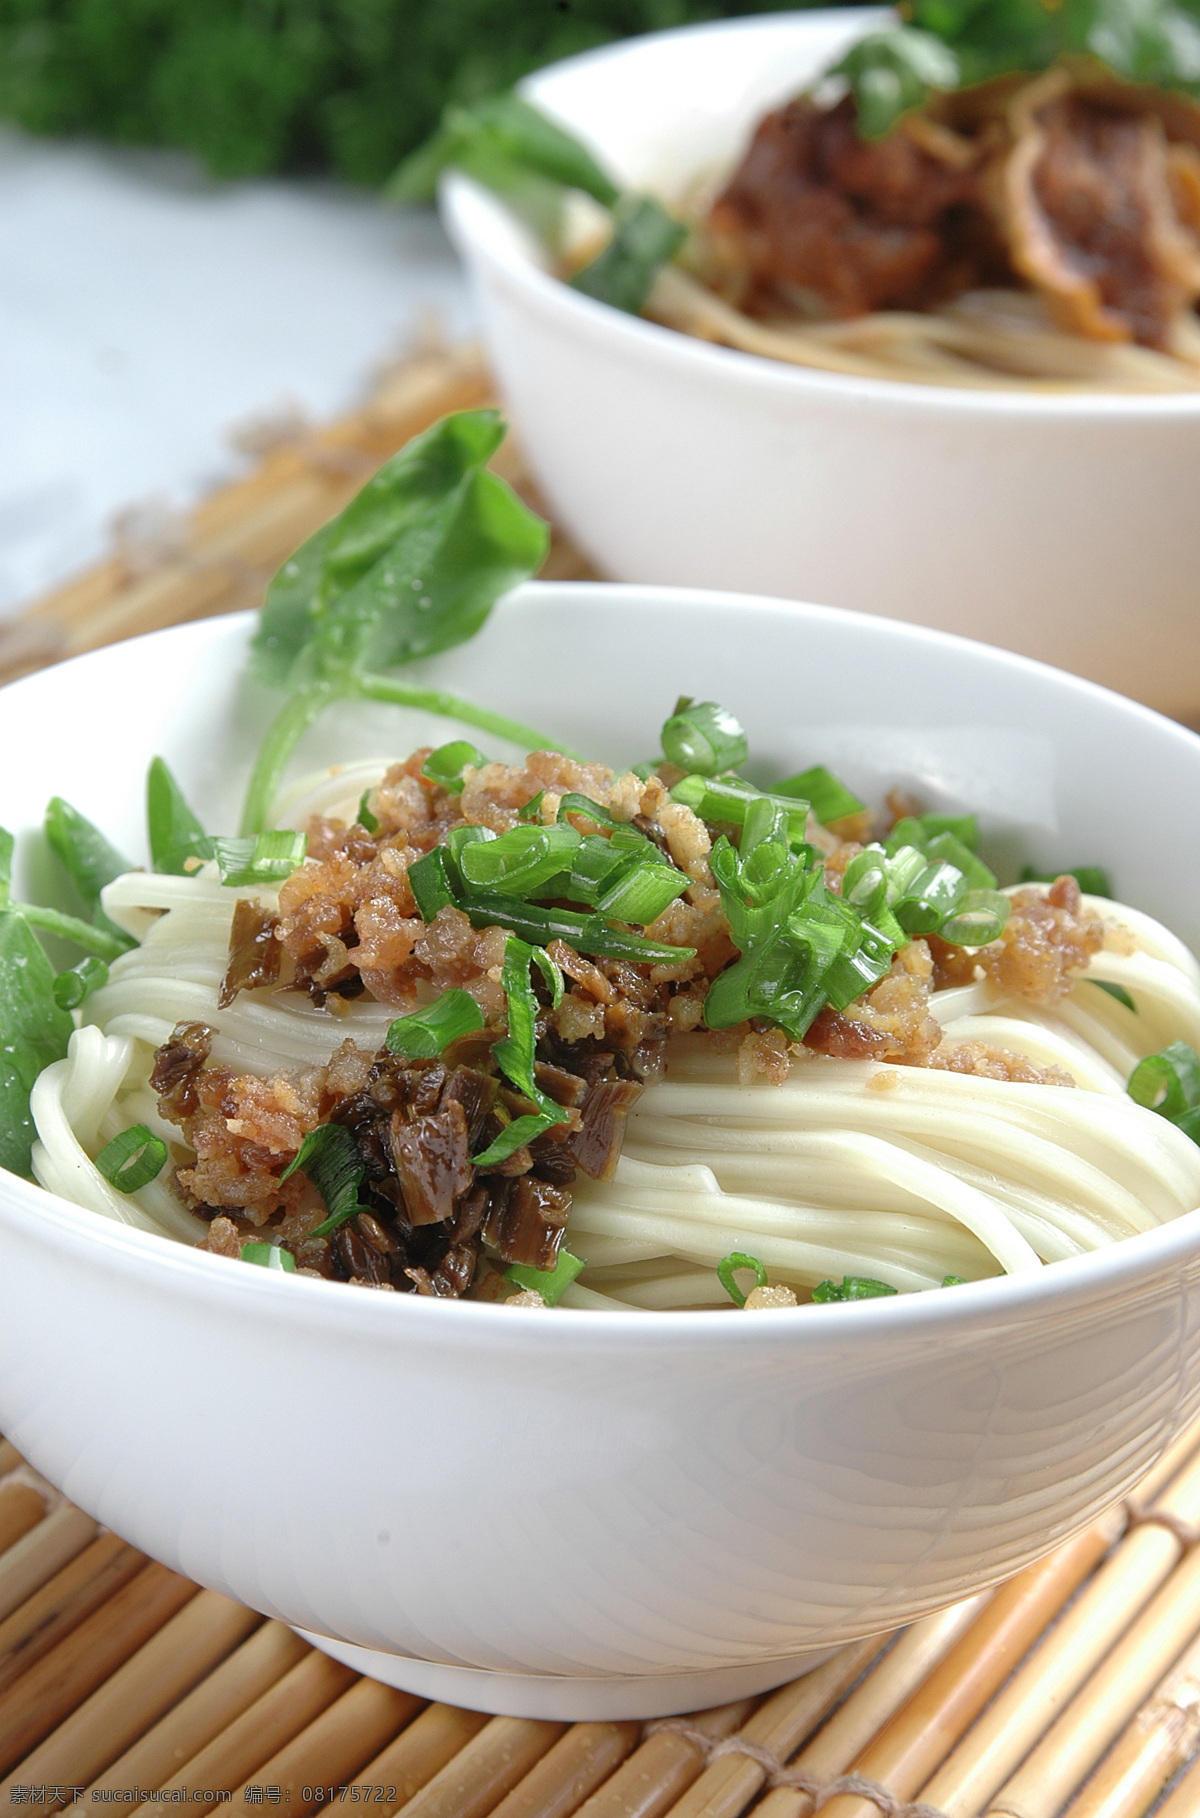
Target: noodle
<point x="847" y="1168"/>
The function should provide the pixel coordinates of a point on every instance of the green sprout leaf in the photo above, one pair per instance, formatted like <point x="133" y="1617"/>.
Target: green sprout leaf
<point x="645" y="238"/>
<point x="499" y="141"/>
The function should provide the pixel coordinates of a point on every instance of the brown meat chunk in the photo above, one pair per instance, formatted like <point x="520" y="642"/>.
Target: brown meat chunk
<point x="254" y="952"/>
<point x="433" y="1163"/>
<point x="176" y="1065"/>
<point x="818" y="219"/>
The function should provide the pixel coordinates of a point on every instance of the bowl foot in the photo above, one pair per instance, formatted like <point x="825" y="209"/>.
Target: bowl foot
<point x="606" y="1698"/>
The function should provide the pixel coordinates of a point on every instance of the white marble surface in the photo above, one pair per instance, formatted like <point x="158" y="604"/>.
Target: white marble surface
<point x="146" y="312"/>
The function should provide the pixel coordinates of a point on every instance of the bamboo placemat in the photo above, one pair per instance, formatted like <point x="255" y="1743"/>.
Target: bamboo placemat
<point x="1071" y="1692"/>
<point x="166" y="568"/>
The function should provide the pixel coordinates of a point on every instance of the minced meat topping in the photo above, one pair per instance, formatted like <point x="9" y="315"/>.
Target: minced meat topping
<point x="430" y="1220"/>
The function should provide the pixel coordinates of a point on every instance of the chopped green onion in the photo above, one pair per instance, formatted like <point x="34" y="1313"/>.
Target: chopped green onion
<point x="175" y="834"/>
<point x="1167" y="1082"/>
<point x="445" y="766"/>
<point x="266" y="859"/>
<point x="431" y="883"/>
<point x="729" y="799"/>
<point x="532" y="809"/>
<point x="330" y="1158"/>
<point x="727" y="1277"/>
<point x="962" y="827"/>
<point x="644" y="238"/>
<point x="982" y="916"/>
<point x="642" y="894"/>
<point x="549" y="1283"/>
<point x="71" y="987"/>
<point x="571" y="803"/>
<point x="132" y="1159"/>
<point x="703" y="738"/>
<point x="269" y="1256"/>
<point x="953" y="1281"/>
<point x="514" y="1136"/>
<point x="586" y="933"/>
<point x="948" y="849"/>
<point x="933" y="895"/>
<point x="852" y="1287"/>
<point x="1118" y="991"/>
<point x="1093" y="880"/>
<point x="364" y="817"/>
<point x="865" y="881"/>
<point x="520" y="861"/>
<point x="829" y="799"/>
<point x="424" y="1034"/>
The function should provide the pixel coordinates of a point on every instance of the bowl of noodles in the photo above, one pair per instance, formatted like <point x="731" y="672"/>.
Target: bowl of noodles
<point x="701" y="1468"/>
<point x="880" y="373"/>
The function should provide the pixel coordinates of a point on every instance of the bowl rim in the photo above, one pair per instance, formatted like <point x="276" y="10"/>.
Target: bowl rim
<point x="480" y="225"/>
<point x="1074" y="1282"/>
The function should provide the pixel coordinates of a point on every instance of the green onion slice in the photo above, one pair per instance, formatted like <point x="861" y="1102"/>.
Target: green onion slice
<point x="132" y="1159"/>
<point x="982" y="916"/>
<point x="737" y="1259"/>
<point x="1093" y="880"/>
<point x="71" y="987"/>
<point x="531" y="811"/>
<point x="589" y="934"/>
<point x="266" y="859"/>
<point x="432" y="883"/>
<point x="520" y="861"/>
<point x="641" y="895"/>
<point x="424" y="1034"/>
<point x="1167" y="1082"/>
<point x="829" y="799"/>
<point x="364" y="817"/>
<point x="953" y="1281"/>
<point x="852" y="1287"/>
<point x="703" y="738"/>
<point x="330" y="1158"/>
<point x="572" y="803"/>
<point x="445" y="766"/>
<point x="549" y="1283"/>
<point x="269" y="1256"/>
<point x="1118" y="991"/>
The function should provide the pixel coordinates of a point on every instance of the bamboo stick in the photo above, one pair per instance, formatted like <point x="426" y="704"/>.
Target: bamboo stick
<point x="21" y="1508"/>
<point x="258" y="1664"/>
<point x="663" y="1768"/>
<point x="10" y="1458"/>
<point x="579" y="1762"/>
<point x="885" y="1689"/>
<point x="420" y="1751"/>
<point x="1041" y="1689"/>
<point x="328" y="1752"/>
<point x="1155" y="1746"/>
<point x="1095" y="1716"/>
<point x="781" y="1725"/>
<point x="262" y="1729"/>
<point x="485" y="1770"/>
<point x="83" y="1660"/>
<point x="38" y="1555"/>
<point x="916" y="1741"/>
<point x="64" y="1601"/>
<point x="120" y="1710"/>
<point x="1184" y="1801"/>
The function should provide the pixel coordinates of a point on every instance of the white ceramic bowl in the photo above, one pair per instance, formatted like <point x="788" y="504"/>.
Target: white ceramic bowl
<point x="1045" y="524"/>
<point x="580" y="1514"/>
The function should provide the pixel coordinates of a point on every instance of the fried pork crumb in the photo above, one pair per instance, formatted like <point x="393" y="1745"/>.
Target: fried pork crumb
<point x="759" y="1298"/>
<point x="528" y="1297"/>
<point x="1049" y="937"/>
<point x="885" y="1081"/>
<point x="763" y="1055"/>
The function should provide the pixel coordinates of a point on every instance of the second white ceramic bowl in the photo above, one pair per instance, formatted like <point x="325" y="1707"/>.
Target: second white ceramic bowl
<point x="578" y="1514"/>
<point x="1048" y="524"/>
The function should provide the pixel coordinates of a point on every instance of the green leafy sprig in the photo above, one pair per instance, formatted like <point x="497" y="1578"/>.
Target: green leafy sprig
<point x="412" y="566"/>
<point x="508" y="145"/>
<point x="949" y="44"/>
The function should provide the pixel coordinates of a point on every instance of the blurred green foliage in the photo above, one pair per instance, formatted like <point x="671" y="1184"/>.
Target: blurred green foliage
<point x="250" y="86"/>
